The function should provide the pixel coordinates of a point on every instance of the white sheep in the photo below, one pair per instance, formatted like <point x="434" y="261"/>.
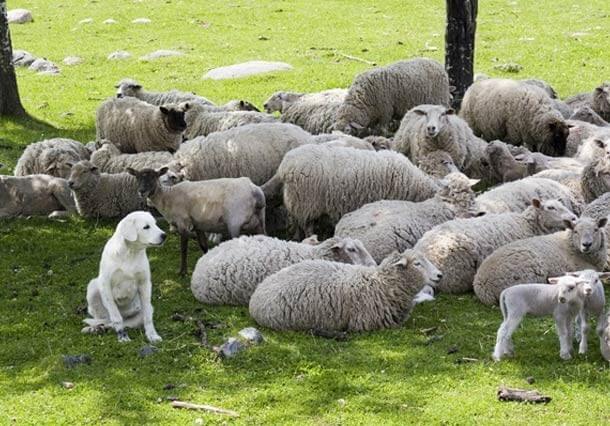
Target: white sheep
<point x="437" y="164"/>
<point x="281" y="101"/>
<point x="35" y="195"/>
<point x="330" y="296"/>
<point x="109" y="159"/>
<point x="229" y="273"/>
<point x="50" y="157"/>
<point x="315" y="112"/>
<point x="131" y="88"/>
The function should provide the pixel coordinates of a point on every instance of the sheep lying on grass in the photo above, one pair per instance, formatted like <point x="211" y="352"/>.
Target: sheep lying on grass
<point x="51" y="157"/>
<point x="201" y="120"/>
<point x="131" y="88"/>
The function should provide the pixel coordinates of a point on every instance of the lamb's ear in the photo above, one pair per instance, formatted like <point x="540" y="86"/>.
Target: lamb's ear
<point x="50" y="168"/>
<point x="356" y="125"/>
<point x="449" y="111"/>
<point x="553" y="280"/>
<point x="573" y="273"/>
<point x="164" y="110"/>
<point x="162" y="171"/>
<point x="568" y="223"/>
<point x="602" y="222"/>
<point x="132" y="172"/>
<point x="536" y="203"/>
<point x="242" y="104"/>
<point x="473" y="182"/>
<point x="127" y="230"/>
<point x="419" y="112"/>
<point x="603" y="275"/>
<point x="599" y="89"/>
<point x="137" y="86"/>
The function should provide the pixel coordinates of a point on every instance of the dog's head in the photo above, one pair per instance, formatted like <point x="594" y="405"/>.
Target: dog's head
<point x="140" y="227"/>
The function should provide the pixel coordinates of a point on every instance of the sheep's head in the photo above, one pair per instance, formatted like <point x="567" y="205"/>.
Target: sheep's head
<point x="240" y="105"/>
<point x="434" y="116"/>
<point x="83" y="174"/>
<point x="557" y="137"/>
<point x="379" y="142"/>
<point x="148" y="180"/>
<point x="601" y="140"/>
<point x="437" y="164"/>
<point x="588" y="235"/>
<point x="593" y="277"/>
<point x="173" y="116"/>
<point x="571" y="289"/>
<point x="502" y="165"/>
<point x="279" y="101"/>
<point x="345" y="250"/>
<point x="601" y="98"/>
<point x="456" y="190"/>
<point x="552" y="214"/>
<point x="414" y="262"/>
<point x="127" y="87"/>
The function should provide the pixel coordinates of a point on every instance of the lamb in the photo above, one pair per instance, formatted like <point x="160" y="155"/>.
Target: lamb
<point x="519" y="114"/>
<point x="131" y="88"/>
<point x="389" y="225"/>
<point x="458" y="247"/>
<point x="216" y="205"/>
<point x="254" y="151"/>
<point x="50" y="157"/>
<point x="594" y="146"/>
<point x="598" y="100"/>
<point x="564" y="301"/>
<point x="331" y="296"/>
<point x="32" y="195"/>
<point x="428" y="128"/>
<point x="318" y="181"/>
<point x="378" y="96"/>
<point x="110" y="160"/>
<point x="136" y="126"/>
<point x="101" y="194"/>
<point x="230" y="272"/>
<point x="530" y="260"/>
<point x="586" y="113"/>
<point x="281" y="101"/>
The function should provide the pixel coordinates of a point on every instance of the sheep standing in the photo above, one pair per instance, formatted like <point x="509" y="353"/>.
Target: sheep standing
<point x="110" y="160"/>
<point x="34" y="195"/>
<point x="458" y="247"/>
<point x="131" y="88"/>
<point x="51" y="157"/>
<point x="136" y="126"/>
<point x="519" y="114"/>
<point x="530" y="260"/>
<point x="201" y="121"/>
<point x="229" y="273"/>
<point x="564" y="300"/>
<point x="389" y="225"/>
<point x="378" y="96"/>
<point x="331" y="296"/>
<point x="103" y="195"/>
<point x="598" y="101"/>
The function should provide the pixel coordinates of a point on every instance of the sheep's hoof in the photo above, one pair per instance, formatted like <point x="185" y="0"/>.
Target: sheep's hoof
<point x="496" y="357"/>
<point x="583" y="350"/>
<point x="565" y="356"/>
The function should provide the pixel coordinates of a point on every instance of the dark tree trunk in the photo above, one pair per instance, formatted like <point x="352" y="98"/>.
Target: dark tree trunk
<point x="10" y="104"/>
<point x="459" y="45"/>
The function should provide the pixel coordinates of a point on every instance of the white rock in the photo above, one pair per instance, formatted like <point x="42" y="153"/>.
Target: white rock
<point x="44" y="66"/>
<point x="86" y="21"/>
<point x="118" y="55"/>
<point x="141" y="21"/>
<point x="161" y="54"/>
<point x="109" y="21"/>
<point x="73" y="60"/>
<point x="246" y="69"/>
<point x="19" y="16"/>
<point x="21" y="58"/>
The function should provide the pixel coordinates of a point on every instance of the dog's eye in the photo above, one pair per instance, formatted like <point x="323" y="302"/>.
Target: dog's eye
<point x="147" y="227"/>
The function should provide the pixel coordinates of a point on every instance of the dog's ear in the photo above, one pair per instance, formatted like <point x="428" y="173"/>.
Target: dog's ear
<point x="127" y="229"/>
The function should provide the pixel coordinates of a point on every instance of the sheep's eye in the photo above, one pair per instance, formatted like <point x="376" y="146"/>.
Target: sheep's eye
<point x="351" y="249"/>
<point x="417" y="263"/>
<point x="147" y="227"/>
<point x="551" y="208"/>
<point x="570" y="288"/>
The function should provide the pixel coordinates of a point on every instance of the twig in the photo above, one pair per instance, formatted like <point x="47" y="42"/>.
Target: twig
<point x="202" y="333"/>
<point x="355" y="58"/>
<point x="522" y="395"/>
<point x="209" y="408"/>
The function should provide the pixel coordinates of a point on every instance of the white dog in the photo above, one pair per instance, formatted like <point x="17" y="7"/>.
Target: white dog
<point x="120" y="296"/>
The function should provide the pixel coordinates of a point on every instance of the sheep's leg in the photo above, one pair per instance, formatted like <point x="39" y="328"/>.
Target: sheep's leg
<point x="184" y="246"/>
<point x="504" y="343"/>
<point x="584" y="330"/>
<point x="565" y="343"/>
<point x="202" y="239"/>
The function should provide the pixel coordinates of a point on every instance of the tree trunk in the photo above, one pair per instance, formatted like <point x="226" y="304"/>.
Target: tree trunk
<point x="459" y="45"/>
<point x="10" y="104"/>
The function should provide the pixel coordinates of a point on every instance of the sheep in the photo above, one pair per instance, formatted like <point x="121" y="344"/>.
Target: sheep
<point x="378" y="96"/>
<point x="216" y="205"/>
<point x="598" y="100"/>
<point x="318" y="180"/>
<point x="595" y="179"/>
<point x="581" y="246"/>
<point x="564" y="300"/>
<point x="519" y="114"/>
<point x="331" y="296"/>
<point x="136" y="126"/>
<point x="131" y="88"/>
<point x="437" y="164"/>
<point x="427" y="128"/>
<point x="110" y="160"/>
<point x="503" y="167"/>
<point x="580" y="131"/>
<point x="103" y="195"/>
<point x="515" y="196"/>
<point x="458" y="246"/>
<point x="586" y="113"/>
<point x="50" y="157"/>
<point x="230" y="272"/>
<point x="388" y="225"/>
<point x="338" y="139"/>
<point x="37" y="194"/>
<point x="594" y="146"/>
<point x="281" y="101"/>
<point x="254" y="151"/>
<point x="548" y="89"/>
<point x="315" y="112"/>
<point x="380" y="142"/>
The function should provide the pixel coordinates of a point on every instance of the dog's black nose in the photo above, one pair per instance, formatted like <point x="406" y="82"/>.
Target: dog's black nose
<point x="163" y="236"/>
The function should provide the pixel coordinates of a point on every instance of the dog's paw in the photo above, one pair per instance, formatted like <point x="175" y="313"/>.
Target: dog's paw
<point x="154" y="338"/>
<point x="122" y="335"/>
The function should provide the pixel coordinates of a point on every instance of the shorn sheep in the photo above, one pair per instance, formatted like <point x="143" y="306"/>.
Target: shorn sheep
<point x="531" y="260"/>
<point x="330" y="296"/>
<point x="51" y="157"/>
<point x="136" y="126"/>
<point x="516" y="113"/>
<point x="110" y="160"/>
<point x="598" y="101"/>
<point x="378" y="96"/>
<point x="393" y="225"/>
<point x="459" y="246"/>
<point x="564" y="300"/>
<point x="229" y="273"/>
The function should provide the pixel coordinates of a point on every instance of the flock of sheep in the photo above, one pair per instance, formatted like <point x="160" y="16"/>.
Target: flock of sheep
<point x="384" y="169"/>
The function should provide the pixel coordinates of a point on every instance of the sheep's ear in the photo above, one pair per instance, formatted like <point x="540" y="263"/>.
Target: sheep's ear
<point x="536" y="203"/>
<point x="403" y="261"/>
<point x="419" y="112"/>
<point x="132" y="172"/>
<point x="356" y="125"/>
<point x="553" y="280"/>
<point x="602" y="222"/>
<point x="69" y="164"/>
<point x="116" y="86"/>
<point x="93" y="168"/>
<point x="599" y="89"/>
<point x="568" y="223"/>
<point x="573" y="273"/>
<point x="186" y="106"/>
<point x="337" y="246"/>
<point x="449" y="111"/>
<point x="127" y="230"/>
<point x="599" y="143"/>
<point x="51" y="168"/>
<point x="164" y="110"/>
<point x="137" y="86"/>
<point x="571" y="125"/>
<point x="242" y="104"/>
<point x="473" y="182"/>
<point x="452" y="89"/>
<point x="603" y="275"/>
<point x="162" y="171"/>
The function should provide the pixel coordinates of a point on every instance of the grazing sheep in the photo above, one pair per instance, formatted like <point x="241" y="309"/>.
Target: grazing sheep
<point x="318" y="180"/>
<point x="136" y="126"/>
<point x="110" y="160"/>
<point x="458" y="247"/>
<point x="131" y="88"/>
<point x="238" y="105"/>
<point x="33" y="195"/>
<point x="390" y="225"/>
<point x="428" y="128"/>
<point x="586" y="113"/>
<point x="201" y="121"/>
<point x="437" y="164"/>
<point x="281" y="101"/>
<point x="519" y="114"/>
<point x="515" y="196"/>
<point x="564" y="300"/>
<point x="51" y="157"/>
<point x="598" y="101"/>
<point x="548" y="89"/>
<point x="230" y="272"/>
<point x="530" y="260"/>
<point x="331" y="296"/>
<point x="103" y="195"/>
<point x="378" y="96"/>
<point x="218" y="205"/>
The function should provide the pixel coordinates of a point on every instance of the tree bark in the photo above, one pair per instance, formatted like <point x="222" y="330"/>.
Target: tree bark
<point x="10" y="104"/>
<point x="459" y="45"/>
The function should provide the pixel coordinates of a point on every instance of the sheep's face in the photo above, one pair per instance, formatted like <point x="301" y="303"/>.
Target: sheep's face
<point x="127" y="88"/>
<point x="587" y="235"/>
<point x="601" y="96"/>
<point x="502" y="166"/>
<point x="435" y="118"/>
<point x="83" y="174"/>
<point x="379" y="142"/>
<point x="279" y="101"/>
<point x="552" y="214"/>
<point x="558" y="132"/>
<point x="437" y="164"/>
<point x="348" y="250"/>
<point x="456" y="189"/>
<point x="241" y="105"/>
<point x="413" y="259"/>
<point x="148" y="179"/>
<point x="59" y="169"/>
<point x="602" y="141"/>
<point x="173" y="116"/>
<point x="570" y="289"/>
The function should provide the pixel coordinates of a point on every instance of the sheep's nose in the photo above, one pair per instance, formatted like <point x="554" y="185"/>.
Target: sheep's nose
<point x="562" y="300"/>
<point x="71" y="184"/>
<point x="439" y="276"/>
<point x="587" y="244"/>
<point x="432" y="130"/>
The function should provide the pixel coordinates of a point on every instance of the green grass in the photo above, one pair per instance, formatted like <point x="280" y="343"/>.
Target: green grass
<point x="386" y="377"/>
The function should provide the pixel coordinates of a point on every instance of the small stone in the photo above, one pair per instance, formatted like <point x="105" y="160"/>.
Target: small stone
<point x="146" y="351"/>
<point x="341" y="402"/>
<point x="109" y="22"/>
<point x="141" y="21"/>
<point x="71" y="361"/>
<point x="21" y="58"/>
<point x="86" y="21"/>
<point x="230" y="348"/>
<point x="161" y="54"/>
<point x="198" y="421"/>
<point x="73" y="60"/>
<point x="263" y="38"/>
<point x="67" y="385"/>
<point x="251" y="335"/>
<point x="119" y="55"/>
<point x="530" y="380"/>
<point x="19" y="16"/>
<point x="44" y="66"/>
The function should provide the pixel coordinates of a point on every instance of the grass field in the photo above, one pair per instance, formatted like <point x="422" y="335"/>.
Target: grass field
<point x="388" y="377"/>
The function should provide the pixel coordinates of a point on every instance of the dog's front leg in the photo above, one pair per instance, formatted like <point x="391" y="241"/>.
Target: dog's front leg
<point x="147" y="311"/>
<point x="116" y="320"/>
